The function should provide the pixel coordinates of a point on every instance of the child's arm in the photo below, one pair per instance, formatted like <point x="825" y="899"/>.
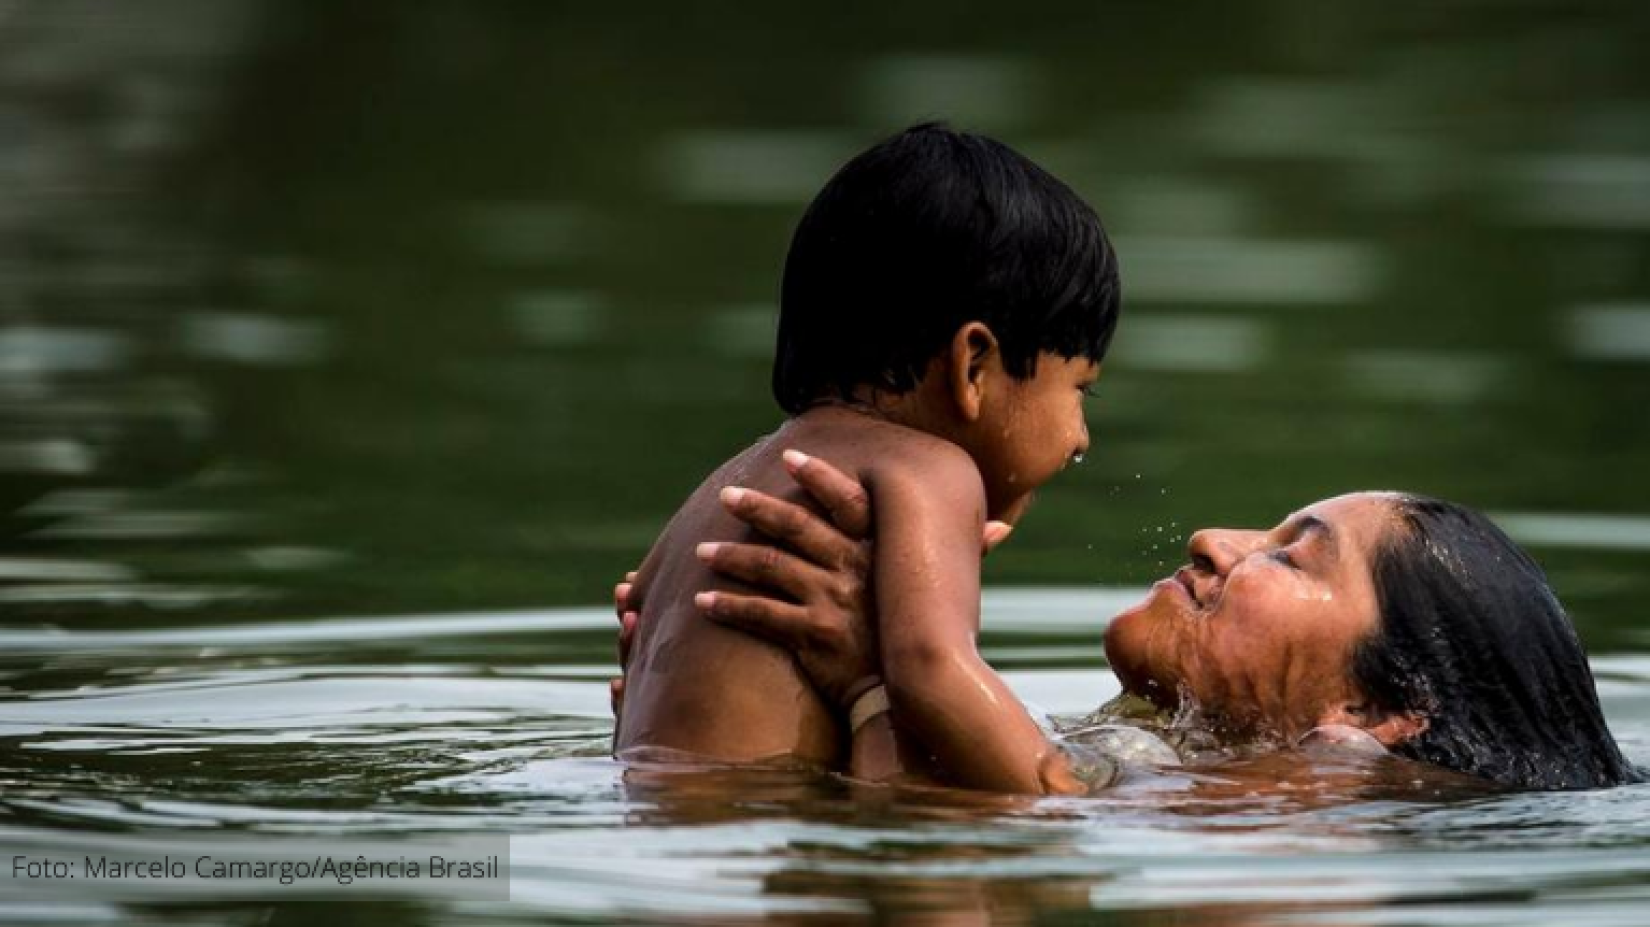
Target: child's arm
<point x="929" y="516"/>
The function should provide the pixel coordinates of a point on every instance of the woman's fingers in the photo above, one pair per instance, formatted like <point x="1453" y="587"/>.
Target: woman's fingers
<point x="621" y="594"/>
<point x="834" y="651"/>
<point x="842" y="497"/>
<point x="779" y="622"/>
<point x="772" y="569"/>
<point x="804" y="532"/>
<point x="627" y="637"/>
<point x="795" y="527"/>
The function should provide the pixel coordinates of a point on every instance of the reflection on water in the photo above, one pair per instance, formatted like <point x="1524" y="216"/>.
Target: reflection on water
<point x="497" y="723"/>
<point x="311" y="309"/>
<point x="300" y="314"/>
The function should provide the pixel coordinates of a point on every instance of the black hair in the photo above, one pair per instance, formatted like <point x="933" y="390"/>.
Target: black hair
<point x="1472" y="639"/>
<point x="921" y="234"/>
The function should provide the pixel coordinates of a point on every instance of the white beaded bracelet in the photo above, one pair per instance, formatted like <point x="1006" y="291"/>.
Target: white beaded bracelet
<point x="872" y="702"/>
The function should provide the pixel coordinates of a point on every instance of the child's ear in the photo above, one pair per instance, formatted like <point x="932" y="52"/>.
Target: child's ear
<point x="974" y="356"/>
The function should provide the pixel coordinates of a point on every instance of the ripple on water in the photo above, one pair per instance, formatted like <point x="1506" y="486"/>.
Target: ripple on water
<point x="351" y="728"/>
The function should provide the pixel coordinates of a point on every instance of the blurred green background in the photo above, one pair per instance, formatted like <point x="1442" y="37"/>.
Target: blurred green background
<point x="315" y="309"/>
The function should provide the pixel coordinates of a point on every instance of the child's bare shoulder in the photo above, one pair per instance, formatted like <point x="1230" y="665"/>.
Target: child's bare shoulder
<point x="905" y="460"/>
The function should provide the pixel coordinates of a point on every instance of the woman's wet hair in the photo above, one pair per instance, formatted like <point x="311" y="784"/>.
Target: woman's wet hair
<point x="1472" y="639"/>
<point x="922" y="234"/>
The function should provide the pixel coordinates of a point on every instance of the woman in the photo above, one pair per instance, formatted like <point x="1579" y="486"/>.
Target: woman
<point x="1413" y="621"/>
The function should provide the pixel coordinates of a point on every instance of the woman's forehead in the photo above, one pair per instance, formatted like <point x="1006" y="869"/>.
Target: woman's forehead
<point x="1357" y="520"/>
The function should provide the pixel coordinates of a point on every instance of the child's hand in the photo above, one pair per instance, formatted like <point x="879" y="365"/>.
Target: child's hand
<point x="996" y="532"/>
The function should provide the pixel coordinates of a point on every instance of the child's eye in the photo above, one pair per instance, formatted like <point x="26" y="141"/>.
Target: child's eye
<point x="1089" y="390"/>
<point x="1283" y="556"/>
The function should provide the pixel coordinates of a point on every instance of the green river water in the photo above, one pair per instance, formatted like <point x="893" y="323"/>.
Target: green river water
<point x="350" y="352"/>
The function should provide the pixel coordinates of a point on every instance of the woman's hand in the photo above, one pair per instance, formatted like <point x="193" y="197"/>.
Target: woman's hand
<point x="628" y="616"/>
<point x="824" y="567"/>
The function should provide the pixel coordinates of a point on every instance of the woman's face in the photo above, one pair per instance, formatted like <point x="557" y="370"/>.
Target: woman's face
<point x="1260" y="627"/>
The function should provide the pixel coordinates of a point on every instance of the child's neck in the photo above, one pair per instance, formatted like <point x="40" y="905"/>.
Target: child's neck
<point x="910" y="409"/>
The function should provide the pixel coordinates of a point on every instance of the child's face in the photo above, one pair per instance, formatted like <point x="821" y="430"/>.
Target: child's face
<point x="1032" y="430"/>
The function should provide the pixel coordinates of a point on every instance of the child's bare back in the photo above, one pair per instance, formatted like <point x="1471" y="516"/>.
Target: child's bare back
<point x="702" y="689"/>
<point x="945" y="307"/>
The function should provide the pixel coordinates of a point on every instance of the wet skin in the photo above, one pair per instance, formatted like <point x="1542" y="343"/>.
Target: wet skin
<point x="966" y="445"/>
<point x="1260" y="627"/>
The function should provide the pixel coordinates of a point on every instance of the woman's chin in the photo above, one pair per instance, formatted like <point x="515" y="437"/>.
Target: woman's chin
<point x="1136" y="648"/>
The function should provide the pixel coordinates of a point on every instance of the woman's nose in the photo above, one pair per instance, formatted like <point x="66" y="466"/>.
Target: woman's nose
<point x="1219" y="549"/>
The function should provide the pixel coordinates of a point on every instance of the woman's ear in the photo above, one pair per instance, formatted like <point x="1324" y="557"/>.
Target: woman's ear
<point x="1391" y="728"/>
<point x="973" y="359"/>
<point x="1398" y="727"/>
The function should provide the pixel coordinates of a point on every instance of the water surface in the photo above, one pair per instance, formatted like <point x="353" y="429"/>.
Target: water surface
<point x="399" y="727"/>
<point x="349" y="352"/>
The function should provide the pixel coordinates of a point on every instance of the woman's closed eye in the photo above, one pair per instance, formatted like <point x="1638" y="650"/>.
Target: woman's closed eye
<point x="1283" y="556"/>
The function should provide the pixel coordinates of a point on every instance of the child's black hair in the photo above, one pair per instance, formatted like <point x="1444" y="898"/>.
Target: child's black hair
<point x="922" y="234"/>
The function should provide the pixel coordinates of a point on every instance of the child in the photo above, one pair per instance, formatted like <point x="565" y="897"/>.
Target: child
<point x="946" y="305"/>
